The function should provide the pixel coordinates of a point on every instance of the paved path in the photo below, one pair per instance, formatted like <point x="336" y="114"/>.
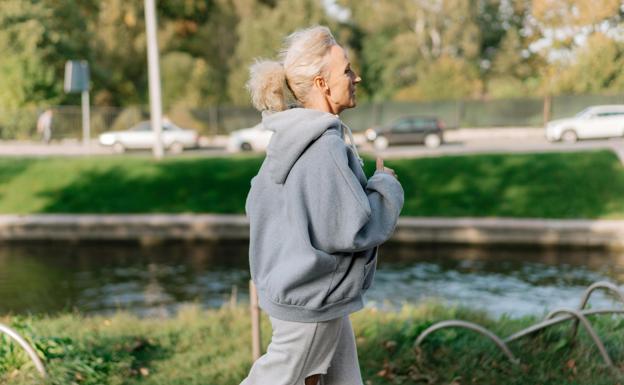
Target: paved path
<point x="498" y="141"/>
<point x="64" y="148"/>
<point x="76" y="148"/>
<point x="499" y="147"/>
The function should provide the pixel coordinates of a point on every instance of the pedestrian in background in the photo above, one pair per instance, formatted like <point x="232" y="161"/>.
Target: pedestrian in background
<point x="44" y="125"/>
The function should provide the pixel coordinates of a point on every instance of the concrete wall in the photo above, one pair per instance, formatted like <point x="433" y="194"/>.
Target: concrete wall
<point x="161" y="228"/>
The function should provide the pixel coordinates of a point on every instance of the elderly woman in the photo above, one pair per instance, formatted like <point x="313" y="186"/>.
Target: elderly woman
<point x="316" y="220"/>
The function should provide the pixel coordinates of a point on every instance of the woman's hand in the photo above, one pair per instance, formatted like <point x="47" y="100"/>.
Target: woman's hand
<point x="382" y="168"/>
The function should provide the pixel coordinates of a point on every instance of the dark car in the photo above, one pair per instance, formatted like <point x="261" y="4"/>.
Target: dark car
<point x="408" y="130"/>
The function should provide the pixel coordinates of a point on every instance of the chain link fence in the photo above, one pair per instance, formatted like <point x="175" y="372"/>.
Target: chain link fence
<point x="525" y="112"/>
<point x="66" y="121"/>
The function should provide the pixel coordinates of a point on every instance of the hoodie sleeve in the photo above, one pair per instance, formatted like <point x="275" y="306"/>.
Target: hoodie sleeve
<point x="342" y="215"/>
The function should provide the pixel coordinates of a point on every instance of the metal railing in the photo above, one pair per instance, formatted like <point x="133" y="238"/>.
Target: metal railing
<point x="29" y="350"/>
<point x="555" y="317"/>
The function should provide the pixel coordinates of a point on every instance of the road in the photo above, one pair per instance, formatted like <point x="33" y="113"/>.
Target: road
<point x="499" y="147"/>
<point x="458" y="142"/>
<point x="76" y="148"/>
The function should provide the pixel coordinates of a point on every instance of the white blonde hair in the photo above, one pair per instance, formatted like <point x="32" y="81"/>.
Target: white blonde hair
<point x="302" y="58"/>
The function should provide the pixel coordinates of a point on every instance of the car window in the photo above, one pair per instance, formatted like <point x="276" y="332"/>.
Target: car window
<point x="607" y="114"/>
<point x="424" y="124"/>
<point x="170" y="127"/>
<point x="404" y="125"/>
<point x="143" y="126"/>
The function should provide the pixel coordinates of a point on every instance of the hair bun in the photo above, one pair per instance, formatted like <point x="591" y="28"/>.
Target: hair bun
<point x="303" y="57"/>
<point x="266" y="84"/>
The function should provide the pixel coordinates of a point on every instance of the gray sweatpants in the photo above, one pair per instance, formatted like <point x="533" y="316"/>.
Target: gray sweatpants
<point x="299" y="350"/>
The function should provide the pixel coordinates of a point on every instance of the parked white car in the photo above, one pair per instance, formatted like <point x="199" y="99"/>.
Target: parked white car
<point x="594" y="122"/>
<point x="256" y="138"/>
<point x="141" y="136"/>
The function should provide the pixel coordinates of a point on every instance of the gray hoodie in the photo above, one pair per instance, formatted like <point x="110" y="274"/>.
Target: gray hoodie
<point x="315" y="219"/>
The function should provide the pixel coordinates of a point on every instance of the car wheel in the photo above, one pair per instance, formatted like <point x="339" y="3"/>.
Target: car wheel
<point x="432" y="141"/>
<point x="119" y="148"/>
<point x="569" y="136"/>
<point x="380" y="143"/>
<point x="176" y="148"/>
<point x="246" y="146"/>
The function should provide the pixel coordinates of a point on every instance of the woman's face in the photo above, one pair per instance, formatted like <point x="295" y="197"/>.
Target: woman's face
<point x="341" y="80"/>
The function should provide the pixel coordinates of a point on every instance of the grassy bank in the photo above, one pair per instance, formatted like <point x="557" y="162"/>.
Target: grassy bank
<point x="555" y="185"/>
<point x="212" y="347"/>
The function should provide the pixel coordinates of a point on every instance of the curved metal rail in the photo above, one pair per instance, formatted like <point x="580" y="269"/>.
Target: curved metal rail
<point x="555" y="317"/>
<point x="29" y="350"/>
<point x="556" y="320"/>
<point x="600" y="285"/>
<point x="588" y="292"/>
<point x="590" y="330"/>
<point x="470" y="326"/>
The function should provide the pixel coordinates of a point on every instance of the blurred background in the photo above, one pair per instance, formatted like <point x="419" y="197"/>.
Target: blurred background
<point x="504" y="120"/>
<point x="442" y="80"/>
<point x="472" y="63"/>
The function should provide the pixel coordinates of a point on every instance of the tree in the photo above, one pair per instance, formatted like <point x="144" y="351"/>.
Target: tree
<point x="261" y="29"/>
<point x="570" y="27"/>
<point x="206" y="32"/>
<point x="515" y="68"/>
<point x="597" y="68"/>
<point x="575" y="13"/>
<point x="446" y="78"/>
<point x="24" y="74"/>
<point x="34" y="48"/>
<point x="402" y="42"/>
<point x="406" y="49"/>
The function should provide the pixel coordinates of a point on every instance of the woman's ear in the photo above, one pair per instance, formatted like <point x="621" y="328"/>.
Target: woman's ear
<point x="321" y="84"/>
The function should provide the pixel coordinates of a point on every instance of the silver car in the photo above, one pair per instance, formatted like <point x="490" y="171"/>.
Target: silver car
<point x="256" y="138"/>
<point x="141" y="136"/>
<point x="593" y="122"/>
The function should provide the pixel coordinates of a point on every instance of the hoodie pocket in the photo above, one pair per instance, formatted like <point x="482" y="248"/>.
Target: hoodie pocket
<point x="368" y="273"/>
<point x="301" y="282"/>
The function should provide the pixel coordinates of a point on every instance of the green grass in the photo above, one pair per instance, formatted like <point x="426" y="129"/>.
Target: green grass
<point x="128" y="184"/>
<point x="213" y="347"/>
<point x="555" y="185"/>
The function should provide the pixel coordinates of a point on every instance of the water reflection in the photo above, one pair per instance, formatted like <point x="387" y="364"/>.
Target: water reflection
<point x="514" y="281"/>
<point x="155" y="281"/>
<point x="101" y="278"/>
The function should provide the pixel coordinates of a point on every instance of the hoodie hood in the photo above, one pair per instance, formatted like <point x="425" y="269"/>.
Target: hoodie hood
<point x="293" y="131"/>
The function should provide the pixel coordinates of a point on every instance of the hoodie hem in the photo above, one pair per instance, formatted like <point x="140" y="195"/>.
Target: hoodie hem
<point x="295" y="313"/>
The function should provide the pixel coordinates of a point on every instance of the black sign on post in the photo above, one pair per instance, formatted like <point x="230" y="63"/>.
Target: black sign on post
<point x="76" y="76"/>
<point x="77" y="81"/>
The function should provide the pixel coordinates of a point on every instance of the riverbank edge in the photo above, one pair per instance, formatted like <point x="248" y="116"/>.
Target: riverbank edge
<point x="156" y="228"/>
<point x="213" y="346"/>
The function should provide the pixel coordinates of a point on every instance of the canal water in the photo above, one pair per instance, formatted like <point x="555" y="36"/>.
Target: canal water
<point x="156" y="281"/>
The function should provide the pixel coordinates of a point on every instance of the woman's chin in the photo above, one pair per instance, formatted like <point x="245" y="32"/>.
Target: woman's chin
<point x="346" y="105"/>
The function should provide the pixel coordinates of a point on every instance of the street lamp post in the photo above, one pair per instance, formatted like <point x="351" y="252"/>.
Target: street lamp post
<point x="154" y="77"/>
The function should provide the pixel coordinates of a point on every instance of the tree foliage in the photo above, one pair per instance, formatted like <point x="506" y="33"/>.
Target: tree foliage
<point x="404" y="49"/>
<point x="597" y="68"/>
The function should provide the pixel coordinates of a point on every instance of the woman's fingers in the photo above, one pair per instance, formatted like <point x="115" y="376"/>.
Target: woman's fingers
<point x="387" y="170"/>
<point x="391" y="172"/>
